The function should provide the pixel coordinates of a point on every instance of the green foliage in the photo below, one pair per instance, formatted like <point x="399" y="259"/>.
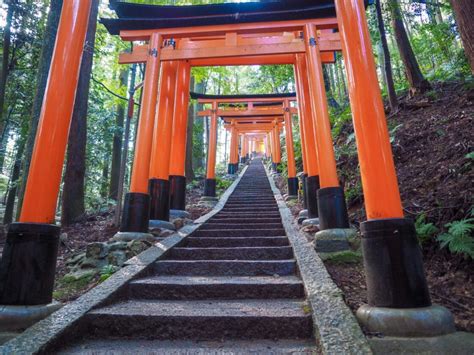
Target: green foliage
<point x="223" y="184"/>
<point x="458" y="239"/>
<point x="107" y="271"/>
<point x="424" y="230"/>
<point x="342" y="257"/>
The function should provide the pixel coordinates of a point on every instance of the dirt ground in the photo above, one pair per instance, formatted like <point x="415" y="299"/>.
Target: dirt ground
<point x="100" y="227"/>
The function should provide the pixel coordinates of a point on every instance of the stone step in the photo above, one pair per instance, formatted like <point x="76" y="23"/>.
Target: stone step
<point x="215" y="242"/>
<point x="250" y="209"/>
<point x="244" y="220"/>
<point x="235" y="233"/>
<point x="189" y="347"/>
<point x="275" y="214"/>
<point x="242" y="225"/>
<point x="217" y="287"/>
<point x="225" y="267"/>
<point x="202" y="320"/>
<point x="241" y="253"/>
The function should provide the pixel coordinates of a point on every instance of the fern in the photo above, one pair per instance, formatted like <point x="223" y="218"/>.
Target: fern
<point x="424" y="230"/>
<point x="459" y="238"/>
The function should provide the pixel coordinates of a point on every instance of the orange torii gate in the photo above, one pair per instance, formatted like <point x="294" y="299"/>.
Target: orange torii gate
<point x="250" y="110"/>
<point x="177" y="37"/>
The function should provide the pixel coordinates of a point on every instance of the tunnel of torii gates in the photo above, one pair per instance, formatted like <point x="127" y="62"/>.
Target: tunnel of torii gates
<point x="257" y="120"/>
<point x="303" y="33"/>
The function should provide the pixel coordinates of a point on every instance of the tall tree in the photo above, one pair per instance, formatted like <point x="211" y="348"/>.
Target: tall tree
<point x="387" y="63"/>
<point x="41" y="80"/>
<point x="7" y="35"/>
<point x="73" y="206"/>
<point x="464" y="13"/>
<point x="12" y="192"/>
<point x="418" y="83"/>
<point x="117" y="141"/>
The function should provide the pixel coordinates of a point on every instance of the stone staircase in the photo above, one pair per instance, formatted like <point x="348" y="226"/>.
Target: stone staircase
<point x="232" y="287"/>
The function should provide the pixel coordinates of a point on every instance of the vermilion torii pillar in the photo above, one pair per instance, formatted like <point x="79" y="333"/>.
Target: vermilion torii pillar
<point x="28" y="262"/>
<point x="309" y="133"/>
<point x="331" y="201"/>
<point x="398" y="297"/>
<point x="159" y="185"/>
<point x="210" y="183"/>
<point x="179" y="139"/>
<point x="233" y="167"/>
<point x="290" y="153"/>
<point x="277" y="147"/>
<point x="136" y="209"/>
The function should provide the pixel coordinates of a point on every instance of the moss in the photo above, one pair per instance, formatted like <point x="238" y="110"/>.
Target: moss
<point x="342" y="257"/>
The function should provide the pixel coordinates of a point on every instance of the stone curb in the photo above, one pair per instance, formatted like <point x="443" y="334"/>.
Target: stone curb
<point x="48" y="333"/>
<point x="336" y="328"/>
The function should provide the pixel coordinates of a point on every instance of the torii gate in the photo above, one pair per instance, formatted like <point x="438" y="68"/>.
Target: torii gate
<point x="177" y="37"/>
<point x="249" y="111"/>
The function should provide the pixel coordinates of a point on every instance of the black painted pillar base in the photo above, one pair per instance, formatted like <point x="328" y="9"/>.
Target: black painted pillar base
<point x="136" y="213"/>
<point x="159" y="199"/>
<point x="393" y="264"/>
<point x="28" y="264"/>
<point x="233" y="168"/>
<point x="311" y="192"/>
<point x="275" y="167"/>
<point x="210" y="188"/>
<point x="303" y="184"/>
<point x="293" y="186"/>
<point x="177" y="192"/>
<point x="332" y="208"/>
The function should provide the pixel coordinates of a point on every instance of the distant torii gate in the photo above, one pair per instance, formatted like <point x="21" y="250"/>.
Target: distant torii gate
<point x="248" y="111"/>
<point x="177" y="37"/>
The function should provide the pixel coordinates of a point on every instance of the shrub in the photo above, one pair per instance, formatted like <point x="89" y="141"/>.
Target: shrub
<point x="459" y="238"/>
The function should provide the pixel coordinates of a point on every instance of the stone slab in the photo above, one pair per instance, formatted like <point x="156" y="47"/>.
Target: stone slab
<point x="336" y="328"/>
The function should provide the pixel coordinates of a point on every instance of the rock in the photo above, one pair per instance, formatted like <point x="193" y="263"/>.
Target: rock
<point x="92" y="263"/>
<point x="63" y="238"/>
<point x="117" y="258"/>
<point x="80" y="275"/>
<point x="165" y="233"/>
<point x="75" y="259"/>
<point x="97" y="250"/>
<point x="310" y="229"/>
<point x="136" y="247"/>
<point x="118" y="246"/>
<point x="188" y="221"/>
<point x="178" y="223"/>
<point x="179" y="214"/>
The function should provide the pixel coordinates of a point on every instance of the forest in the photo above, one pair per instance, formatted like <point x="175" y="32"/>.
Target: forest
<point x="424" y="53"/>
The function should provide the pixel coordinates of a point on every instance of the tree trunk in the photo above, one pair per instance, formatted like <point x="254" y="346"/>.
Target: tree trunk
<point x="5" y="71"/>
<point x="41" y="80"/>
<point x="126" y="139"/>
<point x="117" y="141"/>
<point x="418" y="84"/>
<point x="387" y="62"/>
<point x="5" y="60"/>
<point x="73" y="189"/>
<point x="12" y="192"/>
<point x="464" y="14"/>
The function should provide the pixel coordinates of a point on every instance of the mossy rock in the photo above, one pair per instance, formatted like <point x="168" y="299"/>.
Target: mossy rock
<point x="79" y="277"/>
<point x="342" y="257"/>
